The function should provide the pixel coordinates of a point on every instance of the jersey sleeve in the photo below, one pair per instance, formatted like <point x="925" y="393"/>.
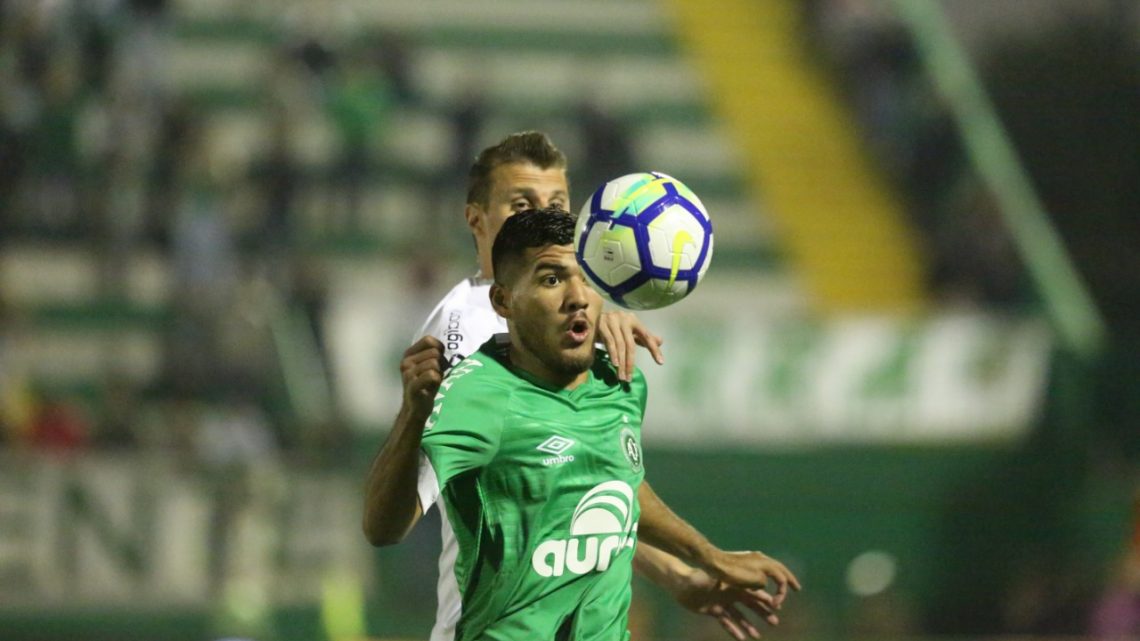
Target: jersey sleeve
<point x="434" y="325"/>
<point x="427" y="484"/>
<point x="464" y="431"/>
<point x="640" y="388"/>
<point x="448" y="323"/>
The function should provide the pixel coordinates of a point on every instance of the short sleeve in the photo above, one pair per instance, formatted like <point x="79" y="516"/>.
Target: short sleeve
<point x="448" y="324"/>
<point x="464" y="431"/>
<point x="427" y="484"/>
<point x="434" y="325"/>
<point x="641" y="387"/>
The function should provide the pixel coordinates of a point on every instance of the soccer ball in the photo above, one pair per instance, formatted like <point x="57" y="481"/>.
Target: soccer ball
<point x="644" y="240"/>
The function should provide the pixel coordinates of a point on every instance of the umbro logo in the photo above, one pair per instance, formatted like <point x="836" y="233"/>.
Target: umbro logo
<point x="556" y="445"/>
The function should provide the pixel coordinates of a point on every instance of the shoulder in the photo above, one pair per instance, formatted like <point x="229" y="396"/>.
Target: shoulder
<point x="462" y="319"/>
<point x="479" y="377"/>
<point x="475" y="392"/>
<point x="606" y="373"/>
<point x="604" y="369"/>
<point x="450" y="301"/>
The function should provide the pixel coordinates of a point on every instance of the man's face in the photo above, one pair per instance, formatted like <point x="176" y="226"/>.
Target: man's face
<point x="514" y="187"/>
<point x="554" y="315"/>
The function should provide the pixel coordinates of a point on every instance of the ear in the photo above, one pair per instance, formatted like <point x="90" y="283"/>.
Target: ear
<point x="474" y="215"/>
<point x="501" y="300"/>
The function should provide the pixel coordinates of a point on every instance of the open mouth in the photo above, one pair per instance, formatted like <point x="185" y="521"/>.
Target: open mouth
<point x="578" y="331"/>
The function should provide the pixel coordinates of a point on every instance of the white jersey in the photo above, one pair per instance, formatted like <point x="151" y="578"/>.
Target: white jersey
<point x="462" y="321"/>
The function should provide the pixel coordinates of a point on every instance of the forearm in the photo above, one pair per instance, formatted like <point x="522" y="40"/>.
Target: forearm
<point x="391" y="505"/>
<point x="660" y="567"/>
<point x="661" y="528"/>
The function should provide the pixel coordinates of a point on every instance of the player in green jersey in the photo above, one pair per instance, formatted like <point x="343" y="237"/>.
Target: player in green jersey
<point x="525" y="170"/>
<point x="535" y="442"/>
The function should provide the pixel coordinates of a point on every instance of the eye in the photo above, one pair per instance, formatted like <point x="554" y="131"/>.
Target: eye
<point x="559" y="204"/>
<point x="520" y="205"/>
<point x="550" y="280"/>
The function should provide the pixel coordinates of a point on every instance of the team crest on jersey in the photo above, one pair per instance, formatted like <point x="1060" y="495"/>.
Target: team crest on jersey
<point x="631" y="448"/>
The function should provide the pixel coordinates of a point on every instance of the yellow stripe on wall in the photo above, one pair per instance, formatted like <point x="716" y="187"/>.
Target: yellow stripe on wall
<point x="844" y="230"/>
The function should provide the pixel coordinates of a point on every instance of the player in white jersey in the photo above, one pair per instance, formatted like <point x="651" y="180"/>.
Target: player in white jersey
<point x="464" y="319"/>
<point x="526" y="171"/>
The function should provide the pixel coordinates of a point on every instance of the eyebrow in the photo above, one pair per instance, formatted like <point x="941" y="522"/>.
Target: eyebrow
<point x="529" y="191"/>
<point x="553" y="266"/>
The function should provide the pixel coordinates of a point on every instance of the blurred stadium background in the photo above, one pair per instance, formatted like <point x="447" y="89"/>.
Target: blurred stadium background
<point x="913" y="371"/>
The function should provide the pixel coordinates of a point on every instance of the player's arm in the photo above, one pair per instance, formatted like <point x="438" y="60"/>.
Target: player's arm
<point x="699" y="592"/>
<point x="391" y="503"/>
<point x="621" y="333"/>
<point x="660" y="527"/>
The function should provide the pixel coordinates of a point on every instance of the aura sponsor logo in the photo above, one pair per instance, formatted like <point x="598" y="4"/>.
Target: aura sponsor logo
<point x="601" y="527"/>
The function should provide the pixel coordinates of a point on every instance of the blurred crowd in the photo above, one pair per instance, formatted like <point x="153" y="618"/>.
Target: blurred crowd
<point x="909" y="131"/>
<point x="98" y="147"/>
<point x="100" y="150"/>
<point x="96" y="144"/>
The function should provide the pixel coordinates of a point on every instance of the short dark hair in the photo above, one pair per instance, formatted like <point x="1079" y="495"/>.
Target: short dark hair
<point x="526" y="146"/>
<point x="526" y="229"/>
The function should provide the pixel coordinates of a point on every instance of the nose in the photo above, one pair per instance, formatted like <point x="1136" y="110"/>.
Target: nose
<point x="576" y="294"/>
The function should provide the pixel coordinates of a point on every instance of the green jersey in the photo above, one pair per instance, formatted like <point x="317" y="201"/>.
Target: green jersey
<point x="540" y="487"/>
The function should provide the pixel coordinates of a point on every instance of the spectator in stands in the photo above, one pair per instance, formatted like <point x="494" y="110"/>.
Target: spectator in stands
<point x="608" y="152"/>
<point x="49" y="193"/>
<point x="18" y="103"/>
<point x="17" y="403"/>
<point x="58" y="425"/>
<point x="394" y="57"/>
<point x="466" y="117"/>
<point x="467" y="120"/>
<point x="205" y="269"/>
<point x="279" y="179"/>
<point x="233" y="434"/>
<point x="177" y="125"/>
<point x="359" y="101"/>
<point x="116" y="426"/>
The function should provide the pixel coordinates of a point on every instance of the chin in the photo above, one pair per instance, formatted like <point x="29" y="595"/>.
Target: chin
<point x="578" y="360"/>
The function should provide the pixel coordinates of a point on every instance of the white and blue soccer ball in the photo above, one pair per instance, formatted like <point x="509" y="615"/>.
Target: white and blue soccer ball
<point x="644" y="240"/>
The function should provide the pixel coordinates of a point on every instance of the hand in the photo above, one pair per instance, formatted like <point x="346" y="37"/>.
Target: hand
<point x="753" y="570"/>
<point x="702" y="594"/>
<point x="621" y="332"/>
<point x="422" y="370"/>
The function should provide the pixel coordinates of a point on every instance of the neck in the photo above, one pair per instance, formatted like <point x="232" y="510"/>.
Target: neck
<point x="486" y="271"/>
<point x="532" y="365"/>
